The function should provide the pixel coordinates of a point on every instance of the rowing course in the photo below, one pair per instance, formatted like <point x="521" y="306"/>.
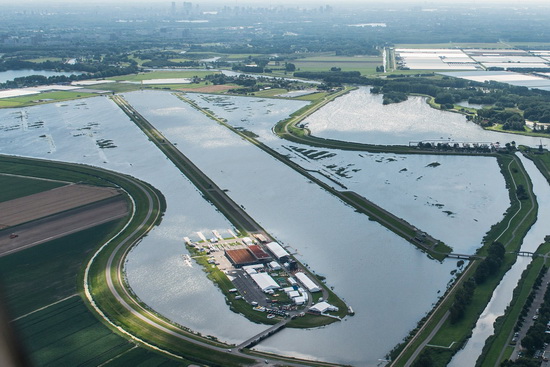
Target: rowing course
<point x="61" y="224"/>
<point x="43" y="204"/>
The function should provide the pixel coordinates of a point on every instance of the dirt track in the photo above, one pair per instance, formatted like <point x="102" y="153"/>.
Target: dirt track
<point x="33" y="207"/>
<point x="62" y="224"/>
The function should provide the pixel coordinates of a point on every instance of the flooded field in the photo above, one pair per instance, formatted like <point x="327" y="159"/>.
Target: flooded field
<point x="386" y="280"/>
<point x="73" y="132"/>
<point x="456" y="199"/>
<point x="360" y="116"/>
<point x="12" y="74"/>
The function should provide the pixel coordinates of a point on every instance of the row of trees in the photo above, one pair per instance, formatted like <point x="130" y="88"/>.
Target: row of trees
<point x="488" y="267"/>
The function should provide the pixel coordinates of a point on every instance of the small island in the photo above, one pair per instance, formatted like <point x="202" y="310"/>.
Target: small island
<point x="262" y="281"/>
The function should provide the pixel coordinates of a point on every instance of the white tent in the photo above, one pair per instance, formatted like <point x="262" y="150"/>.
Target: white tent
<point x="274" y="265"/>
<point x="293" y="294"/>
<point x="322" y="307"/>
<point x="264" y="281"/>
<point x="307" y="282"/>
<point x="277" y="250"/>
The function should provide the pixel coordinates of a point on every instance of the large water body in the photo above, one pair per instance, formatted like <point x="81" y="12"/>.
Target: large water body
<point x="70" y="132"/>
<point x="310" y="221"/>
<point x="12" y="74"/>
<point x="361" y="254"/>
<point x="456" y="199"/>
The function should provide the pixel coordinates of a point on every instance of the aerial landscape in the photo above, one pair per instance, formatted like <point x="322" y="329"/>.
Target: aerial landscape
<point x="274" y="184"/>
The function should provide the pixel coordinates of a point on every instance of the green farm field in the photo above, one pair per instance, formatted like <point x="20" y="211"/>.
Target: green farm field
<point x="67" y="334"/>
<point x="44" y="274"/>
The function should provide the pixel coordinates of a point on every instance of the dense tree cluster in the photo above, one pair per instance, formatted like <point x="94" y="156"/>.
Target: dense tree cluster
<point x="463" y="298"/>
<point x="487" y="267"/>
<point x="491" y="263"/>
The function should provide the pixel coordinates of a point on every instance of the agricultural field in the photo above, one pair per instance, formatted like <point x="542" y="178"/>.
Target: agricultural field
<point x="41" y="293"/>
<point x="14" y="187"/>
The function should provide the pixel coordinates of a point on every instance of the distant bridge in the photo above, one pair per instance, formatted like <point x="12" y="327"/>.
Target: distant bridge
<point x="525" y="253"/>
<point x="463" y="256"/>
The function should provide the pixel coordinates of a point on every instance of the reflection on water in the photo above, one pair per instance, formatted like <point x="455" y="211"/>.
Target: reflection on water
<point x="360" y="116"/>
<point x="384" y="278"/>
<point x="12" y="74"/>
<point x="389" y="283"/>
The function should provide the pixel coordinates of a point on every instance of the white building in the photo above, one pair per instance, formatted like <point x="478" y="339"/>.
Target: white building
<point x="277" y="250"/>
<point x="323" y="307"/>
<point x="274" y="265"/>
<point x="299" y="300"/>
<point x="307" y="282"/>
<point x="264" y="281"/>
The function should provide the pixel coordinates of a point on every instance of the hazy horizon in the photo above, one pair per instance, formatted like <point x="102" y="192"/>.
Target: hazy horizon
<point x="284" y="2"/>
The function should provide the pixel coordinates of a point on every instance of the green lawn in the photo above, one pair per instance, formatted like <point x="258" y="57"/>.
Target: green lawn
<point x="366" y="65"/>
<point x="270" y="92"/>
<point x="16" y="187"/>
<point x="44" y="59"/>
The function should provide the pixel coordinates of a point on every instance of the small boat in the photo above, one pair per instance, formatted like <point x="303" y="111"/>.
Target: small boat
<point x="270" y="316"/>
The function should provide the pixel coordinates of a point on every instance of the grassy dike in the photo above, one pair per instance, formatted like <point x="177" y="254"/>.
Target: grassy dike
<point x="444" y="338"/>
